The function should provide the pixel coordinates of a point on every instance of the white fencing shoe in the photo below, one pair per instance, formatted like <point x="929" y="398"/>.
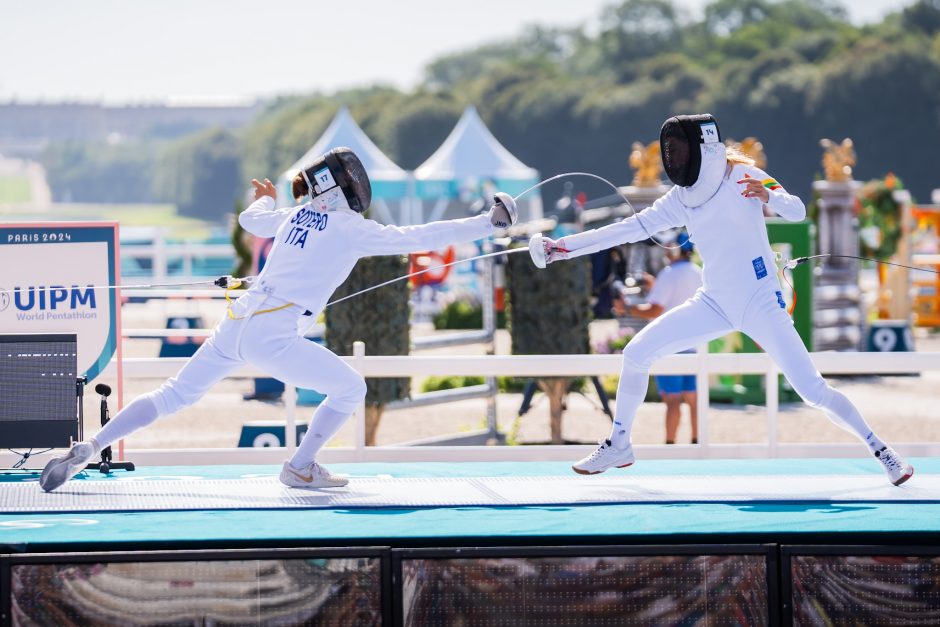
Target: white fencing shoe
<point x="313" y="475"/>
<point x="898" y="470"/>
<point x="606" y="456"/>
<point x="60" y="469"/>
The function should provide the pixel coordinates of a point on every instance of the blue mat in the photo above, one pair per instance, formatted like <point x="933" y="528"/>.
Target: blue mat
<point x="627" y="523"/>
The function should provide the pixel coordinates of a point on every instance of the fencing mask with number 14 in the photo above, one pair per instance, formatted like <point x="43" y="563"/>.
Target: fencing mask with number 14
<point x="693" y="156"/>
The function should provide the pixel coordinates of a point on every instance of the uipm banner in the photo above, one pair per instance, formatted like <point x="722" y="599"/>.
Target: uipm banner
<point x="50" y="283"/>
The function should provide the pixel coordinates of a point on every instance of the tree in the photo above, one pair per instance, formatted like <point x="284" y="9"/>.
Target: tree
<point x="417" y="126"/>
<point x="723" y="17"/>
<point x="379" y="318"/>
<point x="201" y="174"/>
<point x="638" y="29"/>
<point x="549" y="312"/>
<point x="923" y="16"/>
<point x="240" y="242"/>
<point x="885" y="97"/>
<point x="100" y="173"/>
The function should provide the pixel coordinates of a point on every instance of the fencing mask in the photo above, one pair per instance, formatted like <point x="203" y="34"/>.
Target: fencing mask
<point x="693" y="156"/>
<point x="338" y="179"/>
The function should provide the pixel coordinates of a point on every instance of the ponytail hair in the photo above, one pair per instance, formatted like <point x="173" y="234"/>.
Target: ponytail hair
<point x="298" y="187"/>
<point x="735" y="157"/>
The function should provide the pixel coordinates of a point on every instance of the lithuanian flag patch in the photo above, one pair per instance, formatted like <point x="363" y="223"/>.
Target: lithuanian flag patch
<point x="770" y="184"/>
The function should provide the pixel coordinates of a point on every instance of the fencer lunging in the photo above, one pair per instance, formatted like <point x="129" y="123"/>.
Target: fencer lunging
<point x="719" y="196"/>
<point x="315" y="248"/>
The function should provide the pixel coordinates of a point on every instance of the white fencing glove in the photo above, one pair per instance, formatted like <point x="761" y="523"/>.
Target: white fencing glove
<point x="544" y="250"/>
<point x="503" y="213"/>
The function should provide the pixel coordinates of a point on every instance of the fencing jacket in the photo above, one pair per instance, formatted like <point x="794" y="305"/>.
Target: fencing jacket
<point x="314" y="250"/>
<point x="728" y="231"/>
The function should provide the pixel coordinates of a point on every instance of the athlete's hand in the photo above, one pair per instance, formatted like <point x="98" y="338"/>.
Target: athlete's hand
<point x="753" y="188"/>
<point x="620" y="308"/>
<point x="555" y="250"/>
<point x="503" y="213"/>
<point x="264" y="189"/>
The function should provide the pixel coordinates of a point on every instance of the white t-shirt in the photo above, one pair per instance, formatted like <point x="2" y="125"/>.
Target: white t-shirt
<point x="675" y="284"/>
<point x="316" y="246"/>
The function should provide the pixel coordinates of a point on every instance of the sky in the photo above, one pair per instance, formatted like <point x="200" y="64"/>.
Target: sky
<point x="229" y="51"/>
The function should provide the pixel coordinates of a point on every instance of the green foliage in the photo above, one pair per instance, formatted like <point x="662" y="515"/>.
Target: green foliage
<point x="417" y="126"/>
<point x="615" y="343"/>
<point x="610" y="382"/>
<point x="922" y="16"/>
<point x="460" y="314"/>
<point x="789" y="72"/>
<point x="549" y="309"/>
<point x="100" y="173"/>
<point x="242" y="249"/>
<point x="879" y="217"/>
<point x="15" y="189"/>
<point x="283" y="134"/>
<point x="506" y="385"/>
<point x="379" y="318"/>
<point x="201" y="174"/>
<point x="449" y="382"/>
<point x="288" y="128"/>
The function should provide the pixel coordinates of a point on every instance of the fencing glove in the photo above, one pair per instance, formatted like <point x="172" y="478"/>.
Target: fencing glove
<point x="503" y="213"/>
<point x="545" y="250"/>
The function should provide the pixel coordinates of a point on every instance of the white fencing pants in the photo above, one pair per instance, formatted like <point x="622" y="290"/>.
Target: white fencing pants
<point x="697" y="322"/>
<point x="268" y="341"/>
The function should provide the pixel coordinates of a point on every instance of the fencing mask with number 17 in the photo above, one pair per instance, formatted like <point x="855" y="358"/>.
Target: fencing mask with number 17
<point x="338" y="180"/>
<point x="693" y="156"/>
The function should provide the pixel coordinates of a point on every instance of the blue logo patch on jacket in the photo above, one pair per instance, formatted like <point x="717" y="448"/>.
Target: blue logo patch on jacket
<point x="780" y="300"/>
<point x="759" y="268"/>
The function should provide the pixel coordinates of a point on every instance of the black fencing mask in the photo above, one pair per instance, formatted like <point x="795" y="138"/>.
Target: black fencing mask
<point x="338" y="179"/>
<point x="693" y="156"/>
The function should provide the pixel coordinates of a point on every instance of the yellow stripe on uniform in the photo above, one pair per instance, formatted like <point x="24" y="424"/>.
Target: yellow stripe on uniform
<point x="236" y="283"/>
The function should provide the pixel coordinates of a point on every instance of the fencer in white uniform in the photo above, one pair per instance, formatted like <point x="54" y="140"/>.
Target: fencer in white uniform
<point x="315" y="247"/>
<point x="719" y="197"/>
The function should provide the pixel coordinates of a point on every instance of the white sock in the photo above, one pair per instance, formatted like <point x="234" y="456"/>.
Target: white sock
<point x="136" y="415"/>
<point x="325" y="423"/>
<point x="843" y="413"/>
<point x="630" y="394"/>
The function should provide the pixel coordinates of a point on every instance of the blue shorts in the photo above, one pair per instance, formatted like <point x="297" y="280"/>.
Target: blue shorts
<point x="675" y="383"/>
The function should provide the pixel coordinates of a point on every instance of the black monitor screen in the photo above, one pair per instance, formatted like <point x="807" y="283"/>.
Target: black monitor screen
<point x="37" y="377"/>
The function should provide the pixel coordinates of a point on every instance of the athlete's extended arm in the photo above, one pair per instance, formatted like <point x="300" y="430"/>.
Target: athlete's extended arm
<point x="376" y="239"/>
<point x="261" y="218"/>
<point x="665" y="213"/>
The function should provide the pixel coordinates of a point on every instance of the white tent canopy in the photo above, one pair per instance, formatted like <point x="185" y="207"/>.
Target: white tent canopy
<point x="472" y="152"/>
<point x="389" y="181"/>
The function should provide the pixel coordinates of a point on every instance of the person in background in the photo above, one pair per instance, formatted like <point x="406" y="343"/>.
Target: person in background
<point x="674" y="285"/>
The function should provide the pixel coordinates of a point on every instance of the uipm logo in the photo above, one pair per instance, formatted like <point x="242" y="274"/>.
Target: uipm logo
<point x="53" y="297"/>
<point x="55" y="302"/>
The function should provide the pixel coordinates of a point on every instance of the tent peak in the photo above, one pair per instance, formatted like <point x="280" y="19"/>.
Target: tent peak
<point x="472" y="151"/>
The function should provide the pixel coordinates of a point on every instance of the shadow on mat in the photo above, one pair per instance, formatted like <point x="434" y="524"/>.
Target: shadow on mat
<point x="828" y="508"/>
<point x="408" y="510"/>
<point x="777" y="507"/>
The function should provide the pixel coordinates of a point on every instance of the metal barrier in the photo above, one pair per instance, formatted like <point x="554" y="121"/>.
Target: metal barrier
<point x="159" y="253"/>
<point x="701" y="364"/>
